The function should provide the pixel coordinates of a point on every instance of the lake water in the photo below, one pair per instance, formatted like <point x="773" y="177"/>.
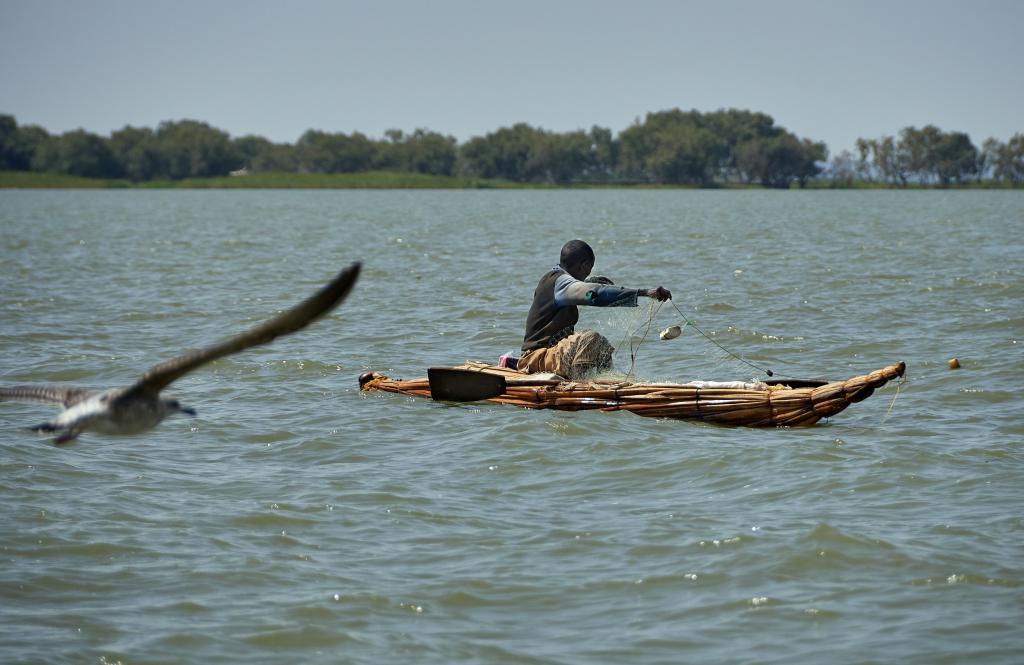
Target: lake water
<point x="297" y="520"/>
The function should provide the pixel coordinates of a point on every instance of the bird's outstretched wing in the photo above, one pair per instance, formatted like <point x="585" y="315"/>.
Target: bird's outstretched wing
<point x="296" y="318"/>
<point x="65" y="396"/>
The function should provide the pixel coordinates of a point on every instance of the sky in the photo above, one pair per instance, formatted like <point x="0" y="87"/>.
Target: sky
<point x="828" y="70"/>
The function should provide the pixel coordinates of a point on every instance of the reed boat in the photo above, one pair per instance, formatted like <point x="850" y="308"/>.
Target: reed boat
<point x="777" y="403"/>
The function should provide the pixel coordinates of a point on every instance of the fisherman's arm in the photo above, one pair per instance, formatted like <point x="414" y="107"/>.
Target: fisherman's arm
<point x="571" y="291"/>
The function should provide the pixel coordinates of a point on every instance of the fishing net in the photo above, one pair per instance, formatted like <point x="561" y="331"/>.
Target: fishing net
<point x="583" y="354"/>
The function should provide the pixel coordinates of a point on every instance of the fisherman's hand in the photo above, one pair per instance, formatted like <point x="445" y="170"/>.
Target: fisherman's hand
<point x="660" y="293"/>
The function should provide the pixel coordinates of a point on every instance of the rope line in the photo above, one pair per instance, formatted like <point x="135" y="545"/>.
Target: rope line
<point x="715" y="342"/>
<point x="899" y="384"/>
<point x="652" y="313"/>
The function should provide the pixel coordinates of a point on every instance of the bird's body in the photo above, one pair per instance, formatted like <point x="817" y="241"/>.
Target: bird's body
<point x="140" y="407"/>
<point x="117" y="412"/>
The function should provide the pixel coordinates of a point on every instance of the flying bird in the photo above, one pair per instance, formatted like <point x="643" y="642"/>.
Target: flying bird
<point x="140" y="407"/>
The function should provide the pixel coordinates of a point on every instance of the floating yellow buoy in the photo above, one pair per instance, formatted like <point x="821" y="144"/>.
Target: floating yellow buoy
<point x="954" y="363"/>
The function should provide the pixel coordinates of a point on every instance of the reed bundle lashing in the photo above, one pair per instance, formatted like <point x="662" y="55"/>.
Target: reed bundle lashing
<point x="778" y="406"/>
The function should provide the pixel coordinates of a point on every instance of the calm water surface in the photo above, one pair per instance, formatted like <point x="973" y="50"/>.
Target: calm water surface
<point x="296" y="520"/>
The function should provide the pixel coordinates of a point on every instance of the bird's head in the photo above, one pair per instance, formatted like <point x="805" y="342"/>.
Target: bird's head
<point x="172" y="405"/>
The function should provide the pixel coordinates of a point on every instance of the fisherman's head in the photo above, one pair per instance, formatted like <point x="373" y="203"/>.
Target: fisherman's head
<point x="577" y="258"/>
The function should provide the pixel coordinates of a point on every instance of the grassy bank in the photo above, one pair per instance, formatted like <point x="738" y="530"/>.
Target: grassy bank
<point x="390" y="180"/>
<point x="367" y="180"/>
<point x="918" y="186"/>
<point x="32" y="180"/>
<point x="364" y="180"/>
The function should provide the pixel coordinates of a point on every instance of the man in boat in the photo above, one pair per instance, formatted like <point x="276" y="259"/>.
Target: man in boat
<point x="551" y="343"/>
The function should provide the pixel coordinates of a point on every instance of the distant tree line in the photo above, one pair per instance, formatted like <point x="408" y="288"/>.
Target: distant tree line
<point x="667" y="147"/>
<point x="930" y="156"/>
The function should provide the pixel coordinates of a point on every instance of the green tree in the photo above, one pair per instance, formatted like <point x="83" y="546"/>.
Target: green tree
<point x="934" y="156"/>
<point x="605" y="151"/>
<point x="843" y="170"/>
<point x="422" y="151"/>
<point x="656" y="149"/>
<point x="12" y="154"/>
<point x="322" y="152"/>
<point x="1006" y="160"/>
<point x="31" y="138"/>
<point x="955" y="158"/>
<point x="137" y="153"/>
<point x="735" y="127"/>
<point x="192" y="149"/>
<point x="889" y="161"/>
<point x="916" y="150"/>
<point x="814" y="152"/>
<point x="77" y="153"/>
<point x="864" y="166"/>
<point x="18" y="145"/>
<point x="685" y="154"/>
<point x="390" y="154"/>
<point x="430" y="152"/>
<point x="502" y="154"/>
<point x="279" y="158"/>
<point x="701" y="148"/>
<point x="526" y="154"/>
<point x="560" y="158"/>
<point x="1013" y="161"/>
<point x="780" y="160"/>
<point x="249" y="149"/>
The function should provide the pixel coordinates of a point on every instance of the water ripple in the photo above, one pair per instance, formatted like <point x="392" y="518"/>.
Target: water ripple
<point x="296" y="519"/>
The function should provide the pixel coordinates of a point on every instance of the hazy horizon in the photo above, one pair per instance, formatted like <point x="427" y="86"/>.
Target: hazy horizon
<point x="826" y="72"/>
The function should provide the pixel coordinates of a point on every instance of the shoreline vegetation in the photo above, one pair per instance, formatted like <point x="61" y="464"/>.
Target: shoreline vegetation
<point x="400" y="180"/>
<point x="723" y="149"/>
